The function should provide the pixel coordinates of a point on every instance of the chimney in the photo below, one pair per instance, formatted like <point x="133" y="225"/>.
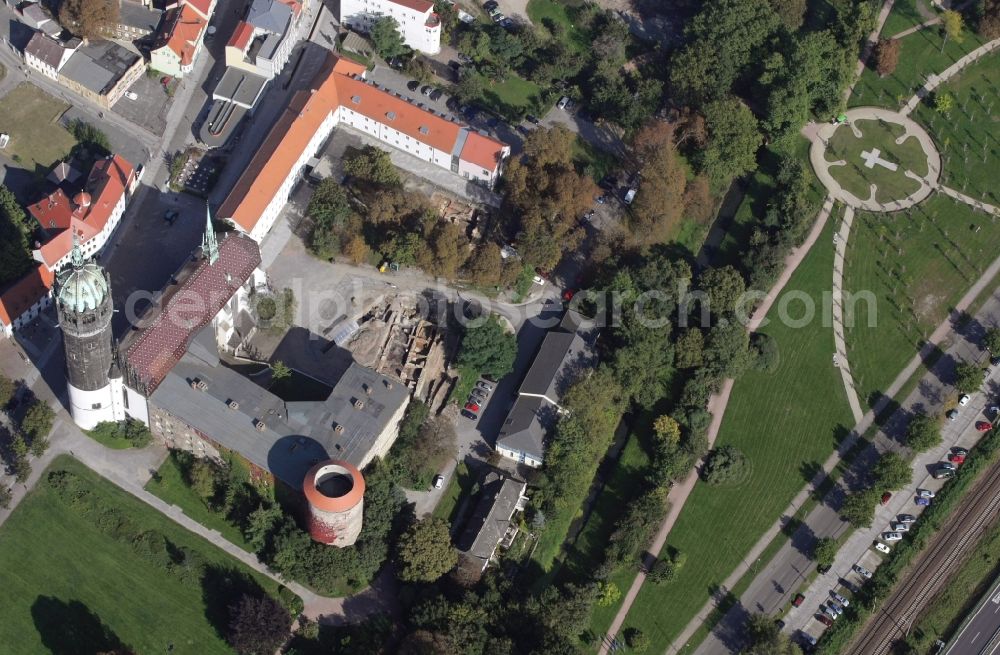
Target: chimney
<point x="339" y="429"/>
<point x="368" y="389"/>
<point x="388" y="385"/>
<point x="358" y="403"/>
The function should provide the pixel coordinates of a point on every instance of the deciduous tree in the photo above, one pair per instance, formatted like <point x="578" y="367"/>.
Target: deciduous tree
<point x="859" y="508"/>
<point x="923" y="432"/>
<point x="372" y="165"/>
<point x="488" y="348"/>
<point x="968" y="377"/>
<point x="952" y="24"/>
<point x="7" y="388"/>
<point x="825" y="551"/>
<point x="887" y="56"/>
<point x="724" y="286"/>
<point x="258" y="625"/>
<point x="892" y="472"/>
<point x="726" y="464"/>
<point x="386" y="38"/>
<point x="991" y="340"/>
<point x="660" y="201"/>
<point x="733" y="140"/>
<point x="89" y="19"/>
<point x="791" y="12"/>
<point x="766" y="638"/>
<point x="425" y="552"/>
<point x="688" y="349"/>
<point x="38" y="420"/>
<point x="15" y="253"/>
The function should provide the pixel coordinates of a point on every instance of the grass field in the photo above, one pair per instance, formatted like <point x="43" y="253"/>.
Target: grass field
<point x="968" y="137"/>
<point x="461" y="484"/>
<point x="786" y="422"/>
<point x="31" y="117"/>
<point x="512" y="97"/>
<point x="857" y="178"/>
<point x="66" y="582"/>
<point x="920" y="55"/>
<point x="169" y="485"/>
<point x="917" y="264"/>
<point x="552" y="12"/>
<point x="905" y="15"/>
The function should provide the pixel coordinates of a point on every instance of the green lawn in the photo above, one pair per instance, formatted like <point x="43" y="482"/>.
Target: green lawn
<point x="169" y="485"/>
<point x="967" y="134"/>
<point x="31" y="118"/>
<point x="66" y="582"/>
<point x="920" y="55"/>
<point x="857" y="178"/>
<point x="787" y="422"/>
<point x="917" y="264"/>
<point x="512" y="97"/>
<point x="461" y="484"/>
<point x="544" y="13"/>
<point x="905" y="15"/>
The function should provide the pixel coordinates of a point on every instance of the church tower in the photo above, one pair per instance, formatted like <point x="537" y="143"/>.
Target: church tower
<point x="83" y="302"/>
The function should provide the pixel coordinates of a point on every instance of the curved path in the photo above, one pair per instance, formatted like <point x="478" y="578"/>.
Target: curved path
<point x="717" y="407"/>
<point x="933" y="81"/>
<point x="840" y="357"/>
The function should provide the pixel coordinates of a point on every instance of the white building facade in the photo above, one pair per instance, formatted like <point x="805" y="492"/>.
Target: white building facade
<point x="419" y="26"/>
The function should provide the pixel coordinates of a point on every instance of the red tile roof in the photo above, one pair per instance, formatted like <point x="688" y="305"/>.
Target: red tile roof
<point x="482" y="151"/>
<point x="287" y="140"/>
<point x="185" y="308"/>
<point x="184" y="31"/>
<point x="423" y="6"/>
<point x="347" y="67"/>
<point x="18" y="297"/>
<point x="241" y="36"/>
<point x="201" y="6"/>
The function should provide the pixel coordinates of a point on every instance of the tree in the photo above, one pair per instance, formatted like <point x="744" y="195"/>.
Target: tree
<point x="989" y="20"/>
<point x="280" y="370"/>
<point x="446" y="250"/>
<point x="667" y="430"/>
<point x="258" y="625"/>
<point x="89" y="19"/>
<point x="372" y="165"/>
<point x="825" y="551"/>
<point x="892" y="472"/>
<point x="488" y="349"/>
<point x="733" y="140"/>
<point x="37" y="421"/>
<point x="943" y="102"/>
<point x="660" y="201"/>
<point x="968" y="377"/>
<point x="448" y="14"/>
<point x="22" y="470"/>
<point x="726" y="464"/>
<point x="766" y="638"/>
<point x="356" y="249"/>
<point x="39" y="445"/>
<point x="204" y="478"/>
<point x="991" y="340"/>
<point x="666" y="568"/>
<point x="7" y="389"/>
<point x="608" y="593"/>
<point x="887" y="56"/>
<point x="91" y="141"/>
<point x="330" y="212"/>
<point x="952" y="22"/>
<point x="636" y="640"/>
<point x="688" y="349"/>
<point x="386" y="38"/>
<point x="15" y="252"/>
<point x="859" y="508"/>
<point x="485" y="266"/>
<point x="724" y="287"/>
<point x="791" y="12"/>
<point x="923" y="432"/>
<point x="425" y="552"/>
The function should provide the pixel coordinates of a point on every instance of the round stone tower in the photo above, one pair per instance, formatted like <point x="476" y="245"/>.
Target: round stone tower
<point x="83" y="303"/>
<point x="335" y="490"/>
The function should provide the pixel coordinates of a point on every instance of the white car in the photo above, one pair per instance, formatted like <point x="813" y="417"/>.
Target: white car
<point x="882" y="548"/>
<point x="863" y="571"/>
<point x="538" y="280"/>
<point x="131" y="95"/>
<point x="891" y="536"/>
<point x="563" y="101"/>
<point x="925" y="493"/>
<point x="438" y="481"/>
<point x="963" y="400"/>
<point x="840" y="599"/>
<point x="899" y="527"/>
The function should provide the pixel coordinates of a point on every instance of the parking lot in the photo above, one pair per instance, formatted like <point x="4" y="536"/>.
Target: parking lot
<point x="150" y="107"/>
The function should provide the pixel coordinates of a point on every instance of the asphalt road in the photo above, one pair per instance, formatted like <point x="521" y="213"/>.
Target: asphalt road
<point x="782" y="577"/>
<point x="982" y="630"/>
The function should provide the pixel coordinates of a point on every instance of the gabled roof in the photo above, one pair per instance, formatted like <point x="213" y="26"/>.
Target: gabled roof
<point x="241" y="36"/>
<point x="184" y="27"/>
<point x="347" y="67"/>
<point x="269" y="15"/>
<point x="48" y="50"/>
<point x="19" y="296"/>
<point x="498" y="501"/>
<point x="526" y="425"/>
<point x="201" y="6"/>
<point x="423" y="6"/>
<point x="482" y="151"/>
<point x="201" y="290"/>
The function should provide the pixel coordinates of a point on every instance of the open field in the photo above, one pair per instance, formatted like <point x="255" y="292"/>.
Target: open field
<point x="920" y="55"/>
<point x="905" y="15"/>
<point x="857" y="178"/>
<point x="31" y="117"/>
<point x="786" y="422"/>
<point x="917" y="263"/>
<point x="967" y="137"/>
<point x="69" y="587"/>
<point x="512" y="97"/>
<point x="544" y="13"/>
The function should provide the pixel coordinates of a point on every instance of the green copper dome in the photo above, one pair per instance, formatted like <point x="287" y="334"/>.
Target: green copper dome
<point x="82" y="286"/>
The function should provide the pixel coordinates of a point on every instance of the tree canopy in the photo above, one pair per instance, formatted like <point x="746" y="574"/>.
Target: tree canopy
<point x="733" y="140"/>
<point x="488" y="348"/>
<point x="386" y="38"/>
<point x="923" y="432"/>
<point x="89" y="19"/>
<point x="15" y="251"/>
<point x="425" y="552"/>
<point x="968" y="377"/>
<point x="892" y="472"/>
<point x="258" y="625"/>
<point x="726" y="464"/>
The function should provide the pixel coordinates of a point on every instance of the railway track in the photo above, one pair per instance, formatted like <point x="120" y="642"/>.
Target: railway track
<point x="932" y="569"/>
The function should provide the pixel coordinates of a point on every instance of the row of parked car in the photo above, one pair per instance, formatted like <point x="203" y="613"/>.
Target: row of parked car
<point x="477" y="399"/>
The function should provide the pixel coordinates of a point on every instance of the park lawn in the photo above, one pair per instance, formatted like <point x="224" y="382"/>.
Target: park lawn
<point x="168" y="484"/>
<point x="918" y="264"/>
<point x="905" y="15"/>
<point x="461" y="484"/>
<point x="967" y="126"/>
<point x="856" y="178"/>
<point x="920" y="55"/>
<point x="59" y="569"/>
<point x="544" y="12"/>
<point x="512" y="97"/>
<point x="31" y="118"/>
<point x="787" y="423"/>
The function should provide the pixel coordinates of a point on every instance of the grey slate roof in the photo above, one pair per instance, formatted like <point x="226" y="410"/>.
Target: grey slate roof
<point x="484" y="530"/>
<point x="296" y="434"/>
<point x="565" y="351"/>
<point x="239" y="86"/>
<point x="98" y="65"/>
<point x="139" y="17"/>
<point x="269" y="15"/>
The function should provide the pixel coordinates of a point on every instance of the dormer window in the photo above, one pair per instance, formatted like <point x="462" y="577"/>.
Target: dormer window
<point x="391" y="115"/>
<point x="356" y="100"/>
<point x="424" y="130"/>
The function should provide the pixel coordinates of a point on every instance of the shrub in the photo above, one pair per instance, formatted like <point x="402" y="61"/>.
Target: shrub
<point x="765" y="350"/>
<point x="725" y="465"/>
<point x="637" y="640"/>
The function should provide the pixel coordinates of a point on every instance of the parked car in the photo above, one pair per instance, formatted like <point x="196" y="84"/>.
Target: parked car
<point x="963" y="400"/>
<point x="829" y="611"/>
<point x="853" y="588"/>
<point x="862" y="571"/>
<point x="956" y="459"/>
<point x="492" y="4"/>
<point x="131" y="95"/>
<point x="472" y="407"/>
<point x="438" y="481"/>
<point x="958" y="450"/>
<point x="824" y="619"/>
<point x="984" y="426"/>
<point x="886" y="496"/>
<point x="483" y="384"/>
<point x="906" y="518"/>
<point x="412" y="85"/>
<point x="947" y="466"/>
<point x="900" y="527"/>
<point x="467" y="414"/>
<point x="891" y="536"/>
<point x="563" y="101"/>
<point x="507" y="24"/>
<point x="923" y="502"/>
<point x="477" y="396"/>
<point x="797" y="601"/>
<point x="532" y="119"/>
<point x="951" y="414"/>
<point x="426" y="90"/>
<point x="835" y="607"/>
<point x="943" y="473"/>
<point x="840" y="599"/>
<point x="498" y="17"/>
<point x="882" y="548"/>
<point x="925" y="493"/>
<point x="568" y="294"/>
